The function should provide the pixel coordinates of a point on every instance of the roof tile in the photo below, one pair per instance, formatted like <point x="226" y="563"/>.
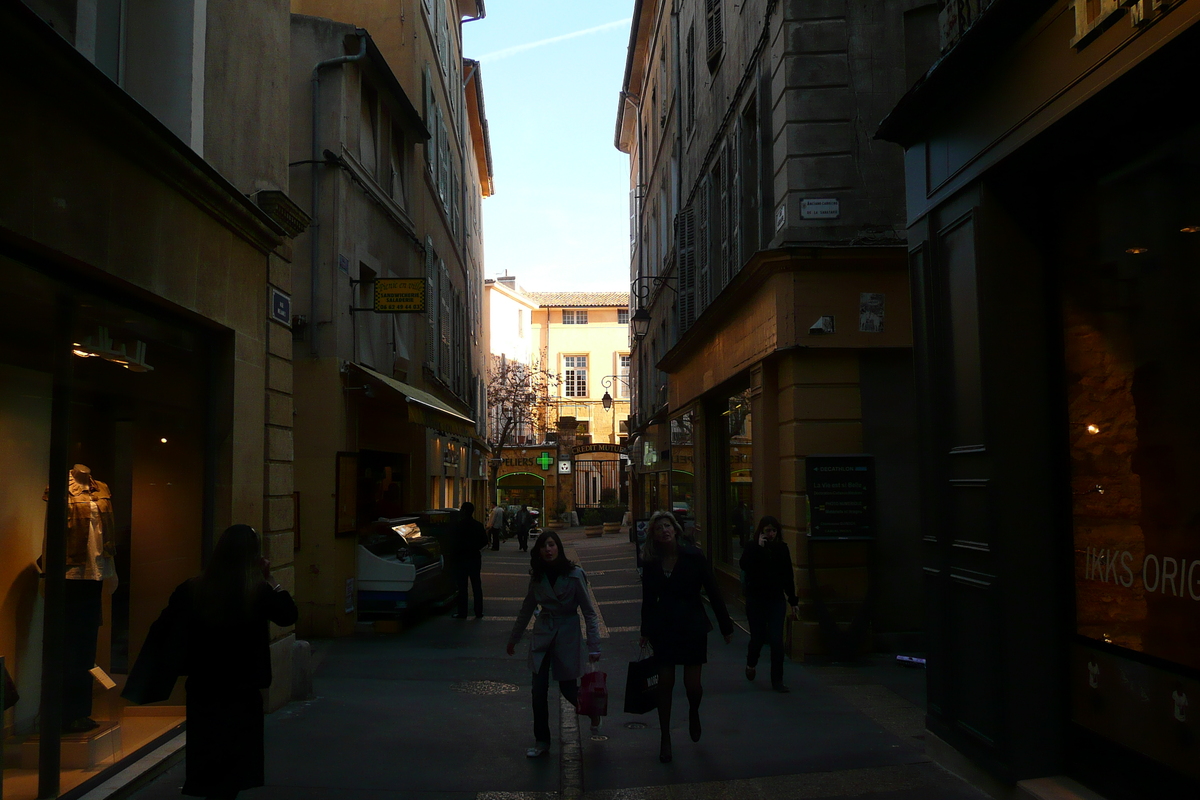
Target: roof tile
<point x="580" y="299"/>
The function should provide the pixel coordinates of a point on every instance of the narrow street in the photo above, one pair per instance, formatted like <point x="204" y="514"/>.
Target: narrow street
<point x="439" y="711"/>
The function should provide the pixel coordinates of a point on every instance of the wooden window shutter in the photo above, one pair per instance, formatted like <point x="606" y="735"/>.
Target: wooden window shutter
<point x="685" y="248"/>
<point x="431" y="309"/>
<point x="431" y="145"/>
<point x="703" y="247"/>
<point x="735" y="202"/>
<point x="690" y="56"/>
<point x="444" y="355"/>
<point x="721" y="223"/>
<point x="715" y="28"/>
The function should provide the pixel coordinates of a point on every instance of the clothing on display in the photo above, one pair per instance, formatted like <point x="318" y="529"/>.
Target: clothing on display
<point x="90" y="547"/>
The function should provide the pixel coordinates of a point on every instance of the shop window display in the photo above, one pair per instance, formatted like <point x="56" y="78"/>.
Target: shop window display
<point x="683" y="501"/>
<point x="133" y="513"/>
<point x="1131" y="352"/>
<point x="739" y="477"/>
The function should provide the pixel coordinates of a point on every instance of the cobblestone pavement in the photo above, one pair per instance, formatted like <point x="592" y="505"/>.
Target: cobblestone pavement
<point x="440" y="711"/>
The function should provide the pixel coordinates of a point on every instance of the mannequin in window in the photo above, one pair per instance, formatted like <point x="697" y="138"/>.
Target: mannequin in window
<point x="90" y="546"/>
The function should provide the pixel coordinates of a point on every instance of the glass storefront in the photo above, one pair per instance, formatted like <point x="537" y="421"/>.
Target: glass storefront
<point x="1132" y="358"/>
<point x="738" y="478"/>
<point x="683" y="470"/>
<point x="135" y="508"/>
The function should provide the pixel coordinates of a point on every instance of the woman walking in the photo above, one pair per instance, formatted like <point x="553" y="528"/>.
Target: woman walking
<point x="767" y="563"/>
<point x="560" y="588"/>
<point x="224" y="615"/>
<point x="674" y="621"/>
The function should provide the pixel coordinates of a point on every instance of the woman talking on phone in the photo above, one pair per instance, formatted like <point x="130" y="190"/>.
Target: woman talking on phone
<point x="224" y="614"/>
<point x="767" y="563"/>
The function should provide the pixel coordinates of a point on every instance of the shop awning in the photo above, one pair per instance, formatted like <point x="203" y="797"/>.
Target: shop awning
<point x="424" y="408"/>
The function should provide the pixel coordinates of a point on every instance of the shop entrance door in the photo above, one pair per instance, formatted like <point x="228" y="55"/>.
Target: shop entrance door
<point x="522" y="489"/>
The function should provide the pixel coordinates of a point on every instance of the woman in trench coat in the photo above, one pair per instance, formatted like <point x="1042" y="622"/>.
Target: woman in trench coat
<point x="560" y="588"/>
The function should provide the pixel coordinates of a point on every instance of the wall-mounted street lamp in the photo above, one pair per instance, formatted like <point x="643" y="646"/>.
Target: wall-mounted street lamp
<point x="640" y="322"/>
<point x="607" y="383"/>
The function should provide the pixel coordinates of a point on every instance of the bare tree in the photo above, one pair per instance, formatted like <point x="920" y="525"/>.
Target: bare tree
<point x="519" y="404"/>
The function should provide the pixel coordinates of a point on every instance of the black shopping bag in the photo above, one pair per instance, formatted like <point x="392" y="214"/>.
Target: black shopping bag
<point x="641" y="686"/>
<point x="160" y="662"/>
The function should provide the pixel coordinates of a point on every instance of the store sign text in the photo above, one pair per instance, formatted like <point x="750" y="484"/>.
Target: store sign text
<point x="1092" y="17"/>
<point x="1164" y="574"/>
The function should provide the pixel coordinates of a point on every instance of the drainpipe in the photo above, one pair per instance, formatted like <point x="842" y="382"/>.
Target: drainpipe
<point x="636" y="101"/>
<point x="315" y="234"/>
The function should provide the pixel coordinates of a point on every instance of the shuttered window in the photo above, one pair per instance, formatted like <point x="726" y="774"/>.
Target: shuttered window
<point x="445" y="322"/>
<point x="715" y="28"/>
<point x="689" y="111"/>
<point x="431" y="304"/>
<point x="733" y="262"/>
<point x="703" y="245"/>
<point x="685" y="248"/>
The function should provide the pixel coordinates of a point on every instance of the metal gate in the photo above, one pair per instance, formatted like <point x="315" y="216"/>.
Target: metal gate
<point x="597" y="482"/>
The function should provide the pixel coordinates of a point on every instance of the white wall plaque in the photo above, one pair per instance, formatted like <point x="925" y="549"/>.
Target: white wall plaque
<point x="564" y="468"/>
<point x="820" y="208"/>
<point x="781" y="217"/>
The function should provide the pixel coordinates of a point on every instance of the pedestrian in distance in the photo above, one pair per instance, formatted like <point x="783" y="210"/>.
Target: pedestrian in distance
<point x="496" y="525"/>
<point x="674" y="621"/>
<point x="767" y="563"/>
<point x="522" y="522"/>
<point x="467" y="538"/>
<point x="223" y="616"/>
<point x="559" y="587"/>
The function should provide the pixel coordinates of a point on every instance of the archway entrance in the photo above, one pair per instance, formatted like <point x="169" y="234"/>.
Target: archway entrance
<point x="523" y="488"/>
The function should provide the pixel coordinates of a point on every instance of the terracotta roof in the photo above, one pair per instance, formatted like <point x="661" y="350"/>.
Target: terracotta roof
<point x="580" y="299"/>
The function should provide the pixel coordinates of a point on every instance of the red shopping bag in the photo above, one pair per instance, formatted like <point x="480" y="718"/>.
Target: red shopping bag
<point x="593" y="694"/>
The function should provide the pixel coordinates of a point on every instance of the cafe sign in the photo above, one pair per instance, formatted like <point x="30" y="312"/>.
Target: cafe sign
<point x="400" y="295"/>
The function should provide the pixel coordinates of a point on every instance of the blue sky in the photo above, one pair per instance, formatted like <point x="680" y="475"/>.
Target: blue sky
<point x="552" y="69"/>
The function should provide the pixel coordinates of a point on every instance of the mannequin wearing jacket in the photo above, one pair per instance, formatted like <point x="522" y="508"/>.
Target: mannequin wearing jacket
<point x="89" y="558"/>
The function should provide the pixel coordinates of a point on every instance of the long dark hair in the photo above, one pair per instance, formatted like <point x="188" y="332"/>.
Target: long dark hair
<point x="538" y="567"/>
<point x="763" y="522"/>
<point x="227" y="586"/>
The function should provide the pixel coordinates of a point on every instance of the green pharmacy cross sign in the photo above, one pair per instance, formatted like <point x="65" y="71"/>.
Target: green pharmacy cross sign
<point x="544" y="461"/>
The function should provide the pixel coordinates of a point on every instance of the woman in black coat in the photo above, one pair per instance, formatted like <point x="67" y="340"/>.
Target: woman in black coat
<point x="767" y="563"/>
<point x="227" y="659"/>
<point x="674" y="621"/>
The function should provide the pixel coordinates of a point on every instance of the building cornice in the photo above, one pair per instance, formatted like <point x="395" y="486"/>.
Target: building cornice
<point x="68" y="79"/>
<point x="964" y="64"/>
<point x="761" y="267"/>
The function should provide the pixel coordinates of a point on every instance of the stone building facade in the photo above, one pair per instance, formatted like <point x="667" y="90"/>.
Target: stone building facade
<point x="392" y="157"/>
<point x="770" y="279"/>
<point x="146" y="247"/>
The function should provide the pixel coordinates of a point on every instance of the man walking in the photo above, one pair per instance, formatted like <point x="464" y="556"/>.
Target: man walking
<point x="467" y="538"/>
<point x="522" y="523"/>
<point x="496" y="525"/>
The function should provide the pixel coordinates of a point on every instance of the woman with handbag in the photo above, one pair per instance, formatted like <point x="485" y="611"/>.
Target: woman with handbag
<point x="674" y="621"/>
<point x="224" y="614"/>
<point x="559" y="587"/>
<point x="767" y="563"/>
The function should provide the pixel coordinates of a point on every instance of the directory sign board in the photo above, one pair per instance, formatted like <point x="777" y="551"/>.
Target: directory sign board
<point x="841" y="496"/>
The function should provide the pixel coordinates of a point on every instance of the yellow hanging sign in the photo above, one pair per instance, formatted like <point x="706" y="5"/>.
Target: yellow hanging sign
<point x="400" y="295"/>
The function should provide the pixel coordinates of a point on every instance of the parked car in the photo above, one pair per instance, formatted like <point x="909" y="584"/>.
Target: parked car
<point x="400" y="567"/>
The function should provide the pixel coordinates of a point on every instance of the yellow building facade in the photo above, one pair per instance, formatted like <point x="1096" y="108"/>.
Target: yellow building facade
<point x="581" y="340"/>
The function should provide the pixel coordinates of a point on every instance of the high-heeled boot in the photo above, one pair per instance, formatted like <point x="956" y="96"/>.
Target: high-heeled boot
<point x="694" y="714"/>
